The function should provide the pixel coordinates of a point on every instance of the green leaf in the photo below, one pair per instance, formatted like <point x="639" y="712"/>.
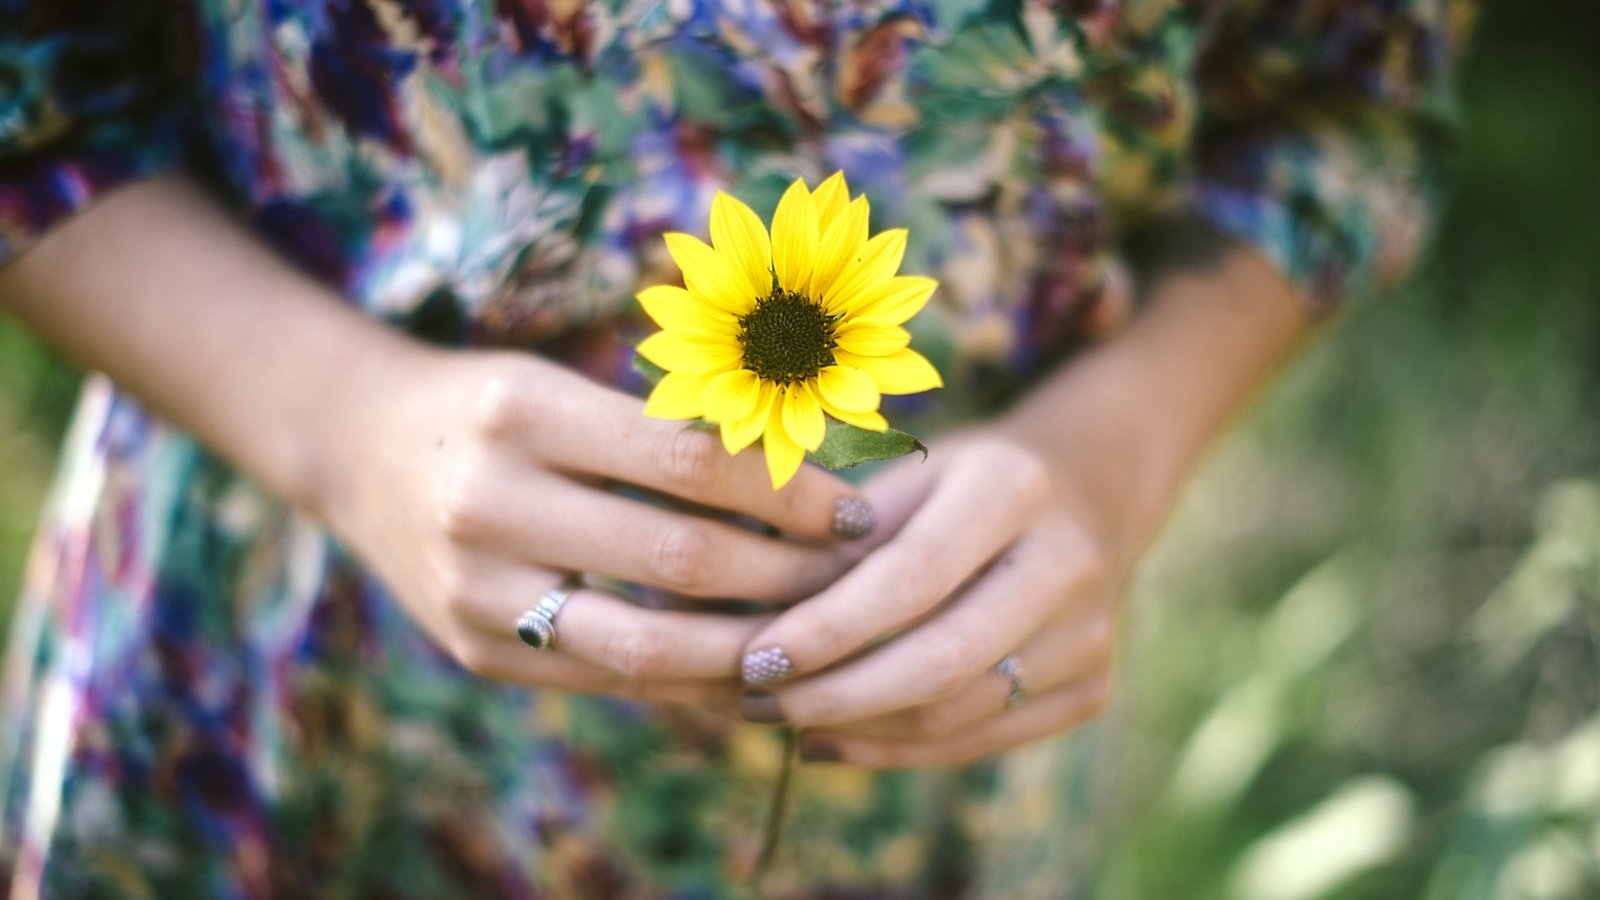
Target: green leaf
<point x="649" y="371"/>
<point x="846" y="445"/>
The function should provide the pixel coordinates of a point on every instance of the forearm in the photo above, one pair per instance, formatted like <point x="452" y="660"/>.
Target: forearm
<point x="186" y="310"/>
<point x="1153" y="397"/>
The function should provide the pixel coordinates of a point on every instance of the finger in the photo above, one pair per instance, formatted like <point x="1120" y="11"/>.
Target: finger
<point x="617" y="441"/>
<point x="1038" y="580"/>
<point x="509" y="660"/>
<point x="644" y="643"/>
<point x="895" y="494"/>
<point x="601" y="628"/>
<point x="1068" y="651"/>
<point x="558" y="523"/>
<point x="968" y="517"/>
<point x="1041" y="717"/>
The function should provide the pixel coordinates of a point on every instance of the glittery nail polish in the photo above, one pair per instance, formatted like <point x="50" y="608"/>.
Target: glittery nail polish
<point x="764" y="667"/>
<point x="761" y="707"/>
<point x="853" y="518"/>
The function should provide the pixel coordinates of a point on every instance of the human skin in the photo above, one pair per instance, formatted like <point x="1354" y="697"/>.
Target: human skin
<point x="1019" y="536"/>
<point x="470" y="480"/>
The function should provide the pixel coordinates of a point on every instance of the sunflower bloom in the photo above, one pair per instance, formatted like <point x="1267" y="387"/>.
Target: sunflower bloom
<point x="773" y="333"/>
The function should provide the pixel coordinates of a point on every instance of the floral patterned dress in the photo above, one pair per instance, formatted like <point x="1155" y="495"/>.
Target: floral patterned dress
<point x="205" y="696"/>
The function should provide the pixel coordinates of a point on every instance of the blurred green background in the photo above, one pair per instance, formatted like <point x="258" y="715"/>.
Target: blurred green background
<point x="1364" y="661"/>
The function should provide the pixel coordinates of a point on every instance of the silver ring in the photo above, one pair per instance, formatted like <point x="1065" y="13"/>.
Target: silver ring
<point x="1011" y="667"/>
<point x="537" y="626"/>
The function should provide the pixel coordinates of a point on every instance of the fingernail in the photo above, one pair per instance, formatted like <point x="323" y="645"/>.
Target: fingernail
<point x="853" y="518"/>
<point x="769" y="666"/>
<point x="761" y="707"/>
<point x="819" y="751"/>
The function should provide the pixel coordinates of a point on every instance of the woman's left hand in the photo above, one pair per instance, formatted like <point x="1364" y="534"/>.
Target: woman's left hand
<point x="998" y="558"/>
<point x="1014" y="541"/>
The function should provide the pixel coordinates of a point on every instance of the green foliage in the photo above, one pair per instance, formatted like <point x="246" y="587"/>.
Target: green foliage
<point x="35" y="395"/>
<point x="845" y="446"/>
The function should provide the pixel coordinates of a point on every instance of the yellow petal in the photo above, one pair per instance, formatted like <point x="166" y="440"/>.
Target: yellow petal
<point x="794" y="238"/>
<point x="830" y="198"/>
<point x="902" y="372"/>
<point x="870" y="338"/>
<point x="731" y="396"/>
<point x="845" y="388"/>
<point x="737" y="232"/>
<point x="709" y="275"/>
<point x="737" y="435"/>
<point x="676" y="396"/>
<point x="895" y="301"/>
<point x="871" y="419"/>
<point x="671" y="306"/>
<point x="784" y="456"/>
<point x="876" y="263"/>
<point x="802" y="416"/>
<point x="693" y="352"/>
<point x="842" y="241"/>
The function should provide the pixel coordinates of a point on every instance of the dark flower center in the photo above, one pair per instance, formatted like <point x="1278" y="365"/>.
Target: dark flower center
<point x="787" y="338"/>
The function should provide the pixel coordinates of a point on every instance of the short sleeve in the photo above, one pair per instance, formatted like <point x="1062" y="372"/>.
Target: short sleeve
<point x="1321" y="133"/>
<point x="91" y="96"/>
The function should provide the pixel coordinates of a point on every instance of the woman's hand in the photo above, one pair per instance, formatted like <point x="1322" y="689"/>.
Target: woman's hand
<point x="471" y="482"/>
<point x="1016" y="540"/>
<point x="486" y="482"/>
<point x="999" y="556"/>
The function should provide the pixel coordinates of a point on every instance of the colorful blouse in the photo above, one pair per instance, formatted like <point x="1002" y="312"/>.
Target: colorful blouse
<point x="205" y="696"/>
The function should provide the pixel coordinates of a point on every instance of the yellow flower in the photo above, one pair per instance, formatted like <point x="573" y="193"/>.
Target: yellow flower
<point x="770" y="334"/>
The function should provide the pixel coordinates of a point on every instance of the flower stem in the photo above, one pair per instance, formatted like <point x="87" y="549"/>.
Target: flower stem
<point x="778" y="811"/>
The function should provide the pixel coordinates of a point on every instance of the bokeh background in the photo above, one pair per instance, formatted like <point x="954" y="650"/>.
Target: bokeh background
<point x="1364" y="660"/>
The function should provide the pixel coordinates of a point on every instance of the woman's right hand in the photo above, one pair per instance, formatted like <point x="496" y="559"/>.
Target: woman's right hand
<point x="471" y="482"/>
<point x="480" y="481"/>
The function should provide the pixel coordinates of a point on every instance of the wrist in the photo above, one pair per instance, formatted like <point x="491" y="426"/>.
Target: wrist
<point x="1126" y="423"/>
<point x="1107" y="446"/>
<point x="347" y="433"/>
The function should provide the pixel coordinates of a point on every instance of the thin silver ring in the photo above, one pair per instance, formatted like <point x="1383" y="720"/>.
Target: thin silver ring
<point x="1011" y="667"/>
<point x="537" y="626"/>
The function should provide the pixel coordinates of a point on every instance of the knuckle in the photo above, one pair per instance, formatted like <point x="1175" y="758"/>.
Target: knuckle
<point x="1085" y="566"/>
<point x="636" y="652"/>
<point x="457" y="591"/>
<point x="1028" y="475"/>
<point x="690" y="460"/>
<point x="948" y="663"/>
<point x="474" y="656"/>
<point x="501" y="406"/>
<point x="1018" y="472"/>
<point x="681" y="556"/>
<point x="1075" y="571"/>
<point x="463" y="506"/>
